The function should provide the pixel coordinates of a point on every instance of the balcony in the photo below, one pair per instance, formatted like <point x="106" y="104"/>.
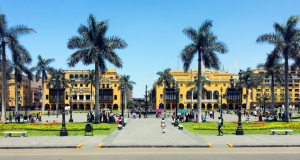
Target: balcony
<point x="202" y="100"/>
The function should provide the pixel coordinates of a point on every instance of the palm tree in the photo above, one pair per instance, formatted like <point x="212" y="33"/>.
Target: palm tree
<point x="128" y="86"/>
<point x="194" y="89"/>
<point x="94" y="48"/>
<point x="56" y="74"/>
<point x="166" y="78"/>
<point x="19" y="67"/>
<point x="274" y="70"/>
<point x="10" y="37"/>
<point x="205" y="44"/>
<point x="90" y="80"/>
<point x="286" y="41"/>
<point x="42" y="69"/>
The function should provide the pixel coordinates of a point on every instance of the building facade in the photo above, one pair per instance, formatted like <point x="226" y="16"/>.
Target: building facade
<point x="83" y="96"/>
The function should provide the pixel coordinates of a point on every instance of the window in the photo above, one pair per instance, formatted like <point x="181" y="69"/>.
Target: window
<point x="19" y="86"/>
<point x="107" y="85"/>
<point x="244" y="96"/>
<point x="266" y="90"/>
<point x="75" y="85"/>
<point x="115" y="97"/>
<point x="46" y="96"/>
<point x="296" y="90"/>
<point x="258" y="90"/>
<point x="290" y="85"/>
<point x="216" y="85"/>
<point x="181" y="96"/>
<point x="18" y="92"/>
<point x="19" y="98"/>
<point x="275" y="90"/>
<point x="297" y="85"/>
<point x="81" y="97"/>
<point x="296" y="81"/>
<point x="290" y="90"/>
<point x="224" y="96"/>
<point x="115" y="85"/>
<point x="81" y="85"/>
<point x="161" y="96"/>
<point x="86" y="85"/>
<point x="224" y="85"/>
<point x="26" y="86"/>
<point x="281" y="90"/>
<point x="88" y="97"/>
<point x="296" y="95"/>
<point x="181" y="84"/>
<point x="161" y="84"/>
<point x="258" y="94"/>
<point x="209" y="85"/>
<point x="66" y="97"/>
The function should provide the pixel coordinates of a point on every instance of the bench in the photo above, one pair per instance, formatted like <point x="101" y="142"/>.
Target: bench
<point x="180" y="127"/>
<point x="287" y="132"/>
<point x="172" y="122"/>
<point x="50" y="120"/>
<point x="119" y="127"/>
<point x="10" y="132"/>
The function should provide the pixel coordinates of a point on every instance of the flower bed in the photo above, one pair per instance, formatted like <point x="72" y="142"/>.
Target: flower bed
<point x="251" y="126"/>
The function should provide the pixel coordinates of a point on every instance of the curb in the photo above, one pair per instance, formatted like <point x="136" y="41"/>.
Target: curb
<point x="156" y="146"/>
<point x="42" y="147"/>
<point x="261" y="146"/>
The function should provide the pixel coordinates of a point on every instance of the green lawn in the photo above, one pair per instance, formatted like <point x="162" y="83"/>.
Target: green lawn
<point x="211" y="128"/>
<point x="34" y="130"/>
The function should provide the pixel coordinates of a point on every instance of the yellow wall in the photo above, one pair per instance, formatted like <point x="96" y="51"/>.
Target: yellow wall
<point x="110" y="78"/>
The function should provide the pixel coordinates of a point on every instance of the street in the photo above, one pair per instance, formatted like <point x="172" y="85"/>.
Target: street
<point x="153" y="153"/>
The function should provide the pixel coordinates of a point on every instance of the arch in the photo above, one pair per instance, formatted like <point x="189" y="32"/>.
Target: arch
<point x="86" y="76"/>
<point x="194" y="95"/>
<point x="203" y="95"/>
<point x="109" y="107"/>
<point x="102" y="106"/>
<point x="203" y="106"/>
<point x="71" y="76"/>
<point x="224" y="106"/>
<point x="209" y="95"/>
<point x="88" y="107"/>
<point x="216" y="106"/>
<point x="81" y="77"/>
<point x="168" y="106"/>
<point x="188" y="105"/>
<point x="188" y="95"/>
<point x="230" y="106"/>
<point x="116" y="107"/>
<point x="47" y="106"/>
<point x="173" y="106"/>
<point x="209" y="106"/>
<point x="76" y="76"/>
<point x="161" y="106"/>
<point x="195" y="106"/>
<point x="74" y="106"/>
<point x="236" y="106"/>
<point x="181" y="106"/>
<point x="81" y="107"/>
<point x="244" y="105"/>
<point x="215" y="94"/>
<point x="53" y="107"/>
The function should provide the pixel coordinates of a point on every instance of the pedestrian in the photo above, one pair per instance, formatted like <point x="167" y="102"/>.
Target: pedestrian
<point x="56" y="114"/>
<point x="290" y="116"/>
<point x="213" y="114"/>
<point x="220" y="124"/>
<point x="244" y="113"/>
<point x="134" y="115"/>
<point x="140" y="115"/>
<point x="10" y="118"/>
<point x="48" y="113"/>
<point x="145" y="114"/>
<point x="100" y="116"/>
<point x="173" y="117"/>
<point x="163" y="125"/>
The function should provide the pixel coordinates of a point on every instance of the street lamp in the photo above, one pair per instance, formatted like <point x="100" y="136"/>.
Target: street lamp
<point x="63" y="131"/>
<point x="122" y="90"/>
<point x="239" y="130"/>
<point x="231" y="80"/>
<point x="176" y="91"/>
<point x="72" y="80"/>
<point x="221" y="104"/>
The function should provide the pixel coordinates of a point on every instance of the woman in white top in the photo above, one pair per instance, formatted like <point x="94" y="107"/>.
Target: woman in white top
<point x="163" y="125"/>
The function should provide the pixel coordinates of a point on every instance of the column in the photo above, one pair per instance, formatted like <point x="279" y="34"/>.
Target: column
<point x="205" y="106"/>
<point x="84" y="107"/>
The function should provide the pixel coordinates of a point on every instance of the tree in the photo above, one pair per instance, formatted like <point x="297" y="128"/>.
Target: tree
<point x="274" y="70"/>
<point x="205" y="44"/>
<point x="166" y="78"/>
<point x="56" y="75"/>
<point x="94" y="48"/>
<point x="128" y="86"/>
<point x="286" y="40"/>
<point x="10" y="37"/>
<point x="90" y="80"/>
<point x="194" y="89"/>
<point x="42" y="69"/>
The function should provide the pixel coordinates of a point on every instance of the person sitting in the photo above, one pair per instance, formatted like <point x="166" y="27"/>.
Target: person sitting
<point x="275" y="118"/>
<point x="260" y="117"/>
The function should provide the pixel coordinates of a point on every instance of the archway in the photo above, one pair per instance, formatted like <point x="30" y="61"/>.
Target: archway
<point x="188" y="95"/>
<point x="244" y="106"/>
<point x="102" y="106"/>
<point x="161" y="106"/>
<point x="209" y="95"/>
<point x="203" y="106"/>
<point x="88" y="107"/>
<point x="195" y="106"/>
<point x="74" y="106"/>
<point x="81" y="107"/>
<point x="109" y="106"/>
<point x="71" y="76"/>
<point x="116" y="107"/>
<point x="231" y="106"/>
<point x="181" y="106"/>
<point x="168" y="106"/>
<point x="215" y="94"/>
<point x="47" y="106"/>
<point x="188" y="105"/>
<point x="173" y="106"/>
<point x="209" y="106"/>
<point x="224" y="106"/>
<point x="53" y="107"/>
<point x="216" y="106"/>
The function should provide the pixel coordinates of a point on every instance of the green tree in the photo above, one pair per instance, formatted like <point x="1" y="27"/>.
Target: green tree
<point x="286" y="41"/>
<point x="94" y="48"/>
<point x="274" y="70"/>
<point x="194" y="89"/>
<point x="42" y="69"/>
<point x="10" y="37"/>
<point x="128" y="86"/>
<point x="90" y="80"/>
<point x="204" y="44"/>
<point x="167" y="79"/>
<point x="56" y="75"/>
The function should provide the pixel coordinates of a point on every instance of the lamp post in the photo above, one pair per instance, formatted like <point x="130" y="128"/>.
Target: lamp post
<point x="176" y="91"/>
<point x="63" y="131"/>
<point x="248" y="86"/>
<point x="122" y="90"/>
<point x="72" y="80"/>
<point x="298" y="99"/>
<point x="221" y="114"/>
<point x="239" y="130"/>
<point x="231" y="81"/>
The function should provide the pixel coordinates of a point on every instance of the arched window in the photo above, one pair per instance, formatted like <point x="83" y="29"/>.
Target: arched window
<point x="81" y="76"/>
<point x="76" y="76"/>
<point x="71" y="76"/>
<point x="86" y="76"/>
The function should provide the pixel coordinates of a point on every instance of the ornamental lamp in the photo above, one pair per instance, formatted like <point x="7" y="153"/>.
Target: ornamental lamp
<point x="248" y="82"/>
<point x="240" y="74"/>
<point x="72" y="81"/>
<point x="231" y="81"/>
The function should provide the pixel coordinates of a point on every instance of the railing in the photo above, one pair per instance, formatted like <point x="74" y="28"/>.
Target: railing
<point x="202" y="100"/>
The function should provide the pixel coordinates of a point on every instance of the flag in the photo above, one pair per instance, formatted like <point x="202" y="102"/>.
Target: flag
<point x="7" y="57"/>
<point x="203" y="64"/>
<point x="81" y="60"/>
<point x="234" y="64"/>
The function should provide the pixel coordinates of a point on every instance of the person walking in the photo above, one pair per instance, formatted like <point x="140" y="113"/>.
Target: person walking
<point x="48" y="113"/>
<point x="220" y="124"/>
<point x="10" y="118"/>
<point x="163" y="125"/>
<point x="213" y="114"/>
<point x="134" y="114"/>
<point x="140" y="115"/>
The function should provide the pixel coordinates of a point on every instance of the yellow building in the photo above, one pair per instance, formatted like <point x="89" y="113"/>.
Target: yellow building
<point x="109" y="94"/>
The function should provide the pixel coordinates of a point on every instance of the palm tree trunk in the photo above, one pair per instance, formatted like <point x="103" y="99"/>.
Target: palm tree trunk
<point x="91" y="107"/>
<point x="273" y="95"/>
<point x="165" y="100"/>
<point x="286" y="82"/>
<point x="3" y="118"/>
<point x="16" y="93"/>
<point x="125" y="102"/>
<point x="97" y="92"/>
<point x="43" y="102"/>
<point x="246" y="99"/>
<point x="57" y="100"/>
<point x="199" y="88"/>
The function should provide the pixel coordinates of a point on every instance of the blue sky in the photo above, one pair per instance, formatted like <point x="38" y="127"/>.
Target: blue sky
<point x="152" y="29"/>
